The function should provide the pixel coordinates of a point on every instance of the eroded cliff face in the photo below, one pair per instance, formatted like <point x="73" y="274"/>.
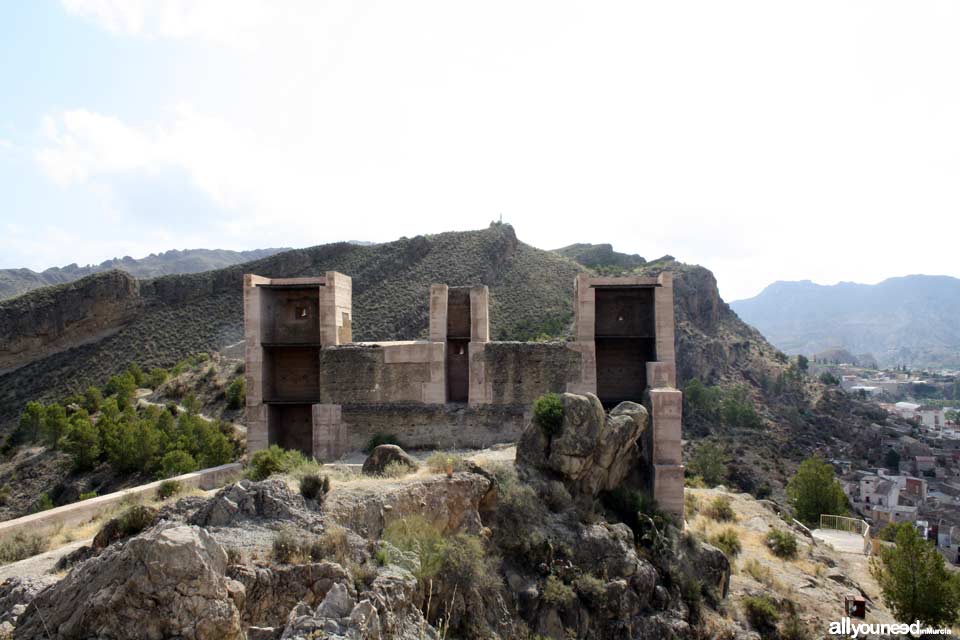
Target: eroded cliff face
<point x="50" y="320"/>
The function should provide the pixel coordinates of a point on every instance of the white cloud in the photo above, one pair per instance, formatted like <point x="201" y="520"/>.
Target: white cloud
<point x="229" y="22"/>
<point x="764" y="140"/>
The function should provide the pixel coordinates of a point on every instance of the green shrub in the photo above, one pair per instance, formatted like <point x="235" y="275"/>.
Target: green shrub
<point x="333" y="543"/>
<point x="720" y="509"/>
<point x="396" y="469"/>
<point x="86" y="495"/>
<point x="92" y="399"/>
<point x="135" y="519"/>
<point x="709" y="461"/>
<point x="691" y="505"/>
<point x="556" y="593"/>
<point x="437" y="462"/>
<point x="44" y="503"/>
<point x="727" y="541"/>
<point x="737" y="409"/>
<point x="168" y="489"/>
<point x="177" y="463"/>
<point x="237" y="393"/>
<point x="21" y="546"/>
<point x="381" y="438"/>
<point x="548" y="413"/>
<point x="314" y="486"/>
<point x="592" y="590"/>
<point x="267" y="462"/>
<point x="420" y="536"/>
<point x="286" y="547"/>
<point x="762" y="612"/>
<point x="782" y="544"/>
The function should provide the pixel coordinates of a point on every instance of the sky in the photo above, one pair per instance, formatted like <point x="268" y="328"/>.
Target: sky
<point x="763" y="140"/>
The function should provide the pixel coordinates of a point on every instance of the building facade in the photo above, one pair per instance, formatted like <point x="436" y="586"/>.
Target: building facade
<point x="311" y="388"/>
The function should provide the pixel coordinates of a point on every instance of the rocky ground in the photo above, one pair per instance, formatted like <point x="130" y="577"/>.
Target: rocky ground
<point x="498" y="550"/>
<point x="815" y="581"/>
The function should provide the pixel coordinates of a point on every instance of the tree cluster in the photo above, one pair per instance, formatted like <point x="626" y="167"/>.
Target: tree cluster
<point x="106" y="426"/>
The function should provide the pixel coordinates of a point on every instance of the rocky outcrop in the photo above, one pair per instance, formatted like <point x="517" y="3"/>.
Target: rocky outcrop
<point x="44" y="322"/>
<point x="385" y="454"/>
<point x="452" y="504"/>
<point x="384" y="612"/>
<point x="592" y="451"/>
<point x="166" y="583"/>
<point x="16" y="594"/>
<point x="246" y="500"/>
<point x="272" y="592"/>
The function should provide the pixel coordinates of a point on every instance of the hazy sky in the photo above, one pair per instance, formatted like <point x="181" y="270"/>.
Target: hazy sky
<point x="764" y="140"/>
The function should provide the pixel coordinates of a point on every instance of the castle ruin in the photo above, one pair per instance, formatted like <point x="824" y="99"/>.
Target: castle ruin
<point x="311" y="388"/>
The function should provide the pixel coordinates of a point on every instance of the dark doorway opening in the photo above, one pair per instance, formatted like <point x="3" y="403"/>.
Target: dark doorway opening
<point x="625" y="339"/>
<point x="291" y="427"/>
<point x="458" y="370"/>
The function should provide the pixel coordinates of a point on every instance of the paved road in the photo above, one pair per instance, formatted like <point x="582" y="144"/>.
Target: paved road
<point x="842" y="541"/>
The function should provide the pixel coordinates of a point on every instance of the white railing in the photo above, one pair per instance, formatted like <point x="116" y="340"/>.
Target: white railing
<point x="850" y="525"/>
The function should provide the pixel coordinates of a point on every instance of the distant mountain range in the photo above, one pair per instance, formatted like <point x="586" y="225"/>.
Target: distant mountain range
<point x="912" y="320"/>
<point x="13" y="282"/>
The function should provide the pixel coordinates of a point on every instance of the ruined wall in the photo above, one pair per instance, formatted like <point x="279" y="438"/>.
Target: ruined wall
<point x="519" y="372"/>
<point x="388" y="372"/>
<point x="426" y="426"/>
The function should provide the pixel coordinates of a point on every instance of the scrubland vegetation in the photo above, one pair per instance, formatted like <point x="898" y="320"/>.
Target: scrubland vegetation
<point x="107" y="426"/>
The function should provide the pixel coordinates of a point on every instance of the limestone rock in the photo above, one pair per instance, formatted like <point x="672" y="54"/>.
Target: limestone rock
<point x="245" y="500"/>
<point x="592" y="451"/>
<point x="608" y="549"/>
<point x="713" y="567"/>
<point x="166" y="583"/>
<point x="450" y="503"/>
<point x="18" y="592"/>
<point x="383" y="455"/>
<point x="386" y="611"/>
<point x="271" y="592"/>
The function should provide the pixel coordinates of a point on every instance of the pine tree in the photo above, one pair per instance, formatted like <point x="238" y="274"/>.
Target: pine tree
<point x="914" y="581"/>
<point x="815" y="491"/>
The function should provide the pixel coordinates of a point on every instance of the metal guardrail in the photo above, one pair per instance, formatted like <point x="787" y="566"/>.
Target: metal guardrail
<point x="850" y="525"/>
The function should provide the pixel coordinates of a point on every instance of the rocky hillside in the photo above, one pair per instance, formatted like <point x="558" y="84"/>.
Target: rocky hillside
<point x="169" y="318"/>
<point x="487" y="551"/>
<point x="174" y="316"/>
<point x="13" y="282"/>
<point x="914" y="320"/>
<point x="600" y="256"/>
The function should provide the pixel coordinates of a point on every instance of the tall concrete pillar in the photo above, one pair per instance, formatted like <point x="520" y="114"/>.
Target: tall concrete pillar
<point x="336" y="310"/>
<point x="663" y="316"/>
<point x="479" y="313"/>
<point x="666" y="409"/>
<point x="329" y="432"/>
<point x="253" y="355"/>
<point x="438" y="312"/>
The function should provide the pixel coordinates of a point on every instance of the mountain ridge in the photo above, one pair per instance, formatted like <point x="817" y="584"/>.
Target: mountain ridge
<point x="912" y="320"/>
<point x="17" y="281"/>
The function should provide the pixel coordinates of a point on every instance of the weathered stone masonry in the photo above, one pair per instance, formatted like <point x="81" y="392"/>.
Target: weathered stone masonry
<point x="309" y="387"/>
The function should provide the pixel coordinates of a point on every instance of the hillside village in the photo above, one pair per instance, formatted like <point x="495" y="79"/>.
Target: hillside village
<point x="911" y="472"/>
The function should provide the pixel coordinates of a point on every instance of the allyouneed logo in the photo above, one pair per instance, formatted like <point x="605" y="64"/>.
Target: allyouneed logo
<point x="846" y="627"/>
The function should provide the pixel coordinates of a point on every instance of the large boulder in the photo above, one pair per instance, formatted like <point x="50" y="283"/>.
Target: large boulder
<point x="592" y="451"/>
<point x="271" y="592"/>
<point x="167" y="583"/>
<point x="385" y="454"/>
<point x="246" y="500"/>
